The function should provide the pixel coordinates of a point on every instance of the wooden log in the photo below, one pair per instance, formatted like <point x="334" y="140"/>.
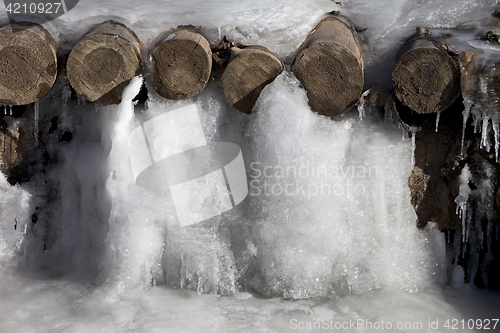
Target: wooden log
<point x="329" y="64"/>
<point x="28" y="63"/>
<point x="426" y="76"/>
<point x="378" y="96"/>
<point x="410" y="120"/>
<point x="102" y="64"/>
<point x="17" y="151"/>
<point x="183" y="63"/>
<point x="248" y="71"/>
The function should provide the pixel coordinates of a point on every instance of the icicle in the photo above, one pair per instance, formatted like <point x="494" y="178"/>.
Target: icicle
<point x="361" y="111"/>
<point x="361" y="106"/>
<point x="437" y="120"/>
<point x="485" y="142"/>
<point x="466" y="113"/>
<point x="463" y="197"/>
<point x="413" y="130"/>
<point x="37" y="119"/>
<point x="10" y="110"/>
<point x="496" y="130"/>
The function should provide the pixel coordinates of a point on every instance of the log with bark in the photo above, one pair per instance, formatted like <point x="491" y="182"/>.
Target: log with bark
<point x="28" y="63"/>
<point x="427" y="73"/>
<point x="102" y="64"/>
<point x="329" y="64"/>
<point x="183" y="63"/>
<point x="247" y="71"/>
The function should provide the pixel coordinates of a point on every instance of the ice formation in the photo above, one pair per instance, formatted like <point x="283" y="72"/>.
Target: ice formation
<point x="475" y="207"/>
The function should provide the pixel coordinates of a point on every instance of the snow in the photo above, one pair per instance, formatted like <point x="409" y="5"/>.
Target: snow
<point x="327" y="222"/>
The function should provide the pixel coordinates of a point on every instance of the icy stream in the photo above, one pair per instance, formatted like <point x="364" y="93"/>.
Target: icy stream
<point x="326" y="236"/>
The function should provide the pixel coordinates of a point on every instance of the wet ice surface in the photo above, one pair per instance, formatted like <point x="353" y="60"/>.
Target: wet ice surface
<point x="328" y="216"/>
<point x="47" y="304"/>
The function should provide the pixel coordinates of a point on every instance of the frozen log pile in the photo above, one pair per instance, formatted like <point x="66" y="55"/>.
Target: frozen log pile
<point x="455" y="179"/>
<point x="183" y="63"/>
<point x="426" y="76"/>
<point x="102" y="64"/>
<point x="329" y="64"/>
<point x="28" y="63"/>
<point x="247" y="71"/>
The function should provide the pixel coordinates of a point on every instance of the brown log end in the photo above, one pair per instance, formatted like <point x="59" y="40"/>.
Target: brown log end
<point x="102" y="64"/>
<point x="332" y="77"/>
<point x="426" y="80"/>
<point x="183" y="63"/>
<point x="28" y="63"/>
<point x="329" y="65"/>
<point x="249" y="70"/>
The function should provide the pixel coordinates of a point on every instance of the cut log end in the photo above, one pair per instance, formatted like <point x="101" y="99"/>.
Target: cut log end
<point x="427" y="80"/>
<point x="28" y="64"/>
<point x="102" y="64"/>
<point x="332" y="77"/>
<point x="183" y="63"/>
<point x="329" y="64"/>
<point x="247" y="73"/>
